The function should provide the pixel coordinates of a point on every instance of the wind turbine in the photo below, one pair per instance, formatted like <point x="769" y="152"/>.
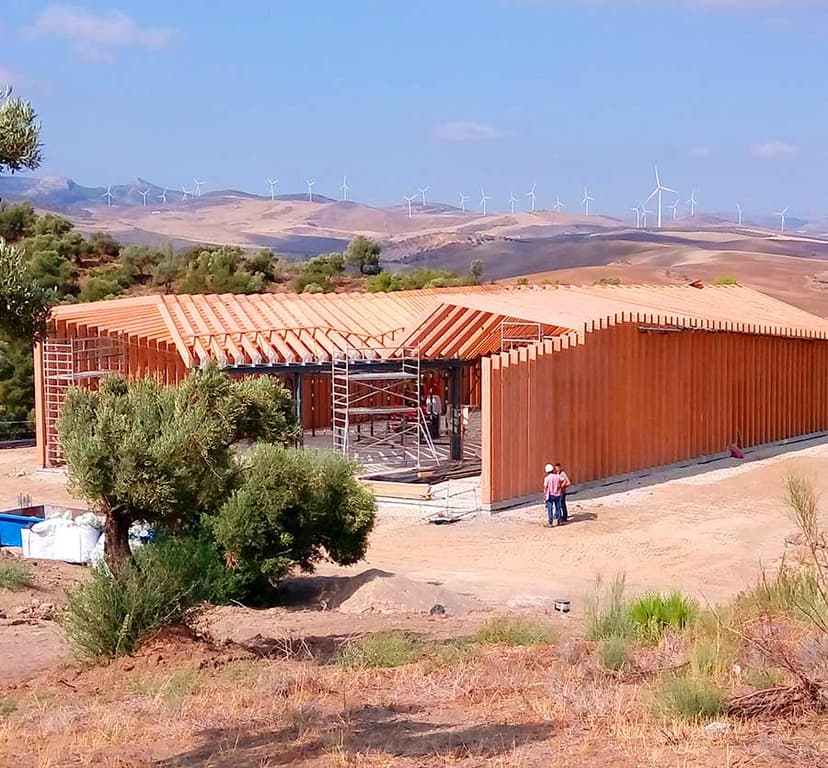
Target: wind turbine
<point x="637" y="216"/>
<point x="463" y="199"/>
<point x="344" y="188"/>
<point x="692" y="202"/>
<point x="484" y="198"/>
<point x="273" y="184"/>
<point x="782" y="215"/>
<point x="198" y="185"/>
<point x="185" y="193"/>
<point x="409" y="200"/>
<point x="674" y="207"/>
<point x="163" y="197"/>
<point x="586" y="201"/>
<point x="739" y="208"/>
<point x="108" y="195"/>
<point x="310" y="182"/>
<point x="644" y="213"/>
<point x="512" y="201"/>
<point x="531" y="194"/>
<point x="144" y="196"/>
<point x="422" y="191"/>
<point x="558" y="205"/>
<point x="659" y="189"/>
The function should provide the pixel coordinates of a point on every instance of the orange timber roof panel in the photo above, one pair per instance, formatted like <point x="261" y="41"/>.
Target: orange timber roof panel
<point x="456" y="323"/>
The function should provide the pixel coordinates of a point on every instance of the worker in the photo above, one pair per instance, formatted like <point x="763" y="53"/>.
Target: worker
<point x="565" y="483"/>
<point x="552" y="495"/>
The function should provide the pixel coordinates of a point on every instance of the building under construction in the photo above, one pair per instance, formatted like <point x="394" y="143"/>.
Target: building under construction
<point x="610" y="380"/>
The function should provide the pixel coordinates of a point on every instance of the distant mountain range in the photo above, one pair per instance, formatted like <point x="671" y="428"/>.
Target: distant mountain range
<point x="62" y="194"/>
<point x="59" y="193"/>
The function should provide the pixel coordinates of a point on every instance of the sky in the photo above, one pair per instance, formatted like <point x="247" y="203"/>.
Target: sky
<point x="726" y="96"/>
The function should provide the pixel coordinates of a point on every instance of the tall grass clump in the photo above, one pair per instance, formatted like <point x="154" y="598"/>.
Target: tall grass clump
<point x="514" y="631"/>
<point x="689" y="698"/>
<point x="109" y="614"/>
<point x="14" y="576"/>
<point x="654" y="613"/>
<point x="614" y="653"/>
<point x="381" y="650"/>
<point x="607" y="613"/>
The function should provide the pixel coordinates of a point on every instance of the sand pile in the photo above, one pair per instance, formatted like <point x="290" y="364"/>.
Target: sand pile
<point x="375" y="591"/>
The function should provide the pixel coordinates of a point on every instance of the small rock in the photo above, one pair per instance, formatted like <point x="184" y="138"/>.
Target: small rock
<point x="437" y="610"/>
<point x="717" y="727"/>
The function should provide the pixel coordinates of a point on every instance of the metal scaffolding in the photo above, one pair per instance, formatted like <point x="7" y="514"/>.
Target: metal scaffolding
<point x="378" y="414"/>
<point x="71" y="363"/>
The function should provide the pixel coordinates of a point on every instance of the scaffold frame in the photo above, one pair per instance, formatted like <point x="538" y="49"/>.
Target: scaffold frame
<point x="68" y="363"/>
<point x="391" y="396"/>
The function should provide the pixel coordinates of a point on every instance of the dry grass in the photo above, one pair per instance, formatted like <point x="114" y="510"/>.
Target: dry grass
<point x="503" y="706"/>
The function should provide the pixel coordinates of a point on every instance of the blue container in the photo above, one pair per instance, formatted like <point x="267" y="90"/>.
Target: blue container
<point x="11" y="525"/>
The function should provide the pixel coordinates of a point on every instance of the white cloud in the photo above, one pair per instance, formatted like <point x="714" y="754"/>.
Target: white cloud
<point x="97" y="33"/>
<point x="465" y="131"/>
<point x="773" y="149"/>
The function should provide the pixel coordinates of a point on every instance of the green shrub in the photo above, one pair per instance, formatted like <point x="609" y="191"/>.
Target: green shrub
<point x="655" y="612"/>
<point x="606" y="611"/>
<point x="108" y="615"/>
<point x="689" y="698"/>
<point x="614" y="653"/>
<point x="382" y="649"/>
<point x="726" y="280"/>
<point x="514" y="631"/>
<point x="14" y="576"/>
<point x="294" y="508"/>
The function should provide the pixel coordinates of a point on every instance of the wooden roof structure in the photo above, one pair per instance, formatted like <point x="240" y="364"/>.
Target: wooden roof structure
<point x="453" y="324"/>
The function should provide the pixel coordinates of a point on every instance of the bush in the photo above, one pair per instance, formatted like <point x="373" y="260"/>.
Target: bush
<point x="14" y="576"/>
<point x="507" y="631"/>
<point x="109" y="614"/>
<point x="614" y="653"/>
<point x="726" y="280"/>
<point x="689" y="698"/>
<point x="606" y="611"/>
<point x="383" y="649"/>
<point x="295" y="508"/>
<point x="653" y="613"/>
<point x="788" y="592"/>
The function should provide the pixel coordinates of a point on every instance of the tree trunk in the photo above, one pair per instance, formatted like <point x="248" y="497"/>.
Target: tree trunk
<point x="116" y="541"/>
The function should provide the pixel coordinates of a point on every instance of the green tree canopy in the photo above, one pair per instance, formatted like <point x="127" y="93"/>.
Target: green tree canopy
<point x="20" y="147"/>
<point x="363" y="253"/>
<point x="138" y="450"/>
<point x="294" y="507"/>
<point x="24" y="300"/>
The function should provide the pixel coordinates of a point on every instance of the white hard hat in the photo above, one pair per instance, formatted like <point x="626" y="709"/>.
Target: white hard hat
<point x="548" y="468"/>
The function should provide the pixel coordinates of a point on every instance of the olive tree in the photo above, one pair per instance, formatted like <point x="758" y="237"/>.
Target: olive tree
<point x="19" y="134"/>
<point x="141" y="451"/>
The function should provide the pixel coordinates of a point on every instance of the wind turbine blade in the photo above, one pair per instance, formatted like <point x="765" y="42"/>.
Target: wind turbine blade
<point x="653" y="194"/>
<point x="668" y="189"/>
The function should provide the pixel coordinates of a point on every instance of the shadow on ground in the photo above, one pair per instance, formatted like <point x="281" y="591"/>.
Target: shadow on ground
<point x="393" y="731"/>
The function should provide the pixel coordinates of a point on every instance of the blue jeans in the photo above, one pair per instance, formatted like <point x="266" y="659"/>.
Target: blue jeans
<point x="553" y="508"/>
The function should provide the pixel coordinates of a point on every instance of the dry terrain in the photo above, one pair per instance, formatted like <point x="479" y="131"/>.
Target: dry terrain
<point x="261" y="688"/>
<point x="542" y="245"/>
